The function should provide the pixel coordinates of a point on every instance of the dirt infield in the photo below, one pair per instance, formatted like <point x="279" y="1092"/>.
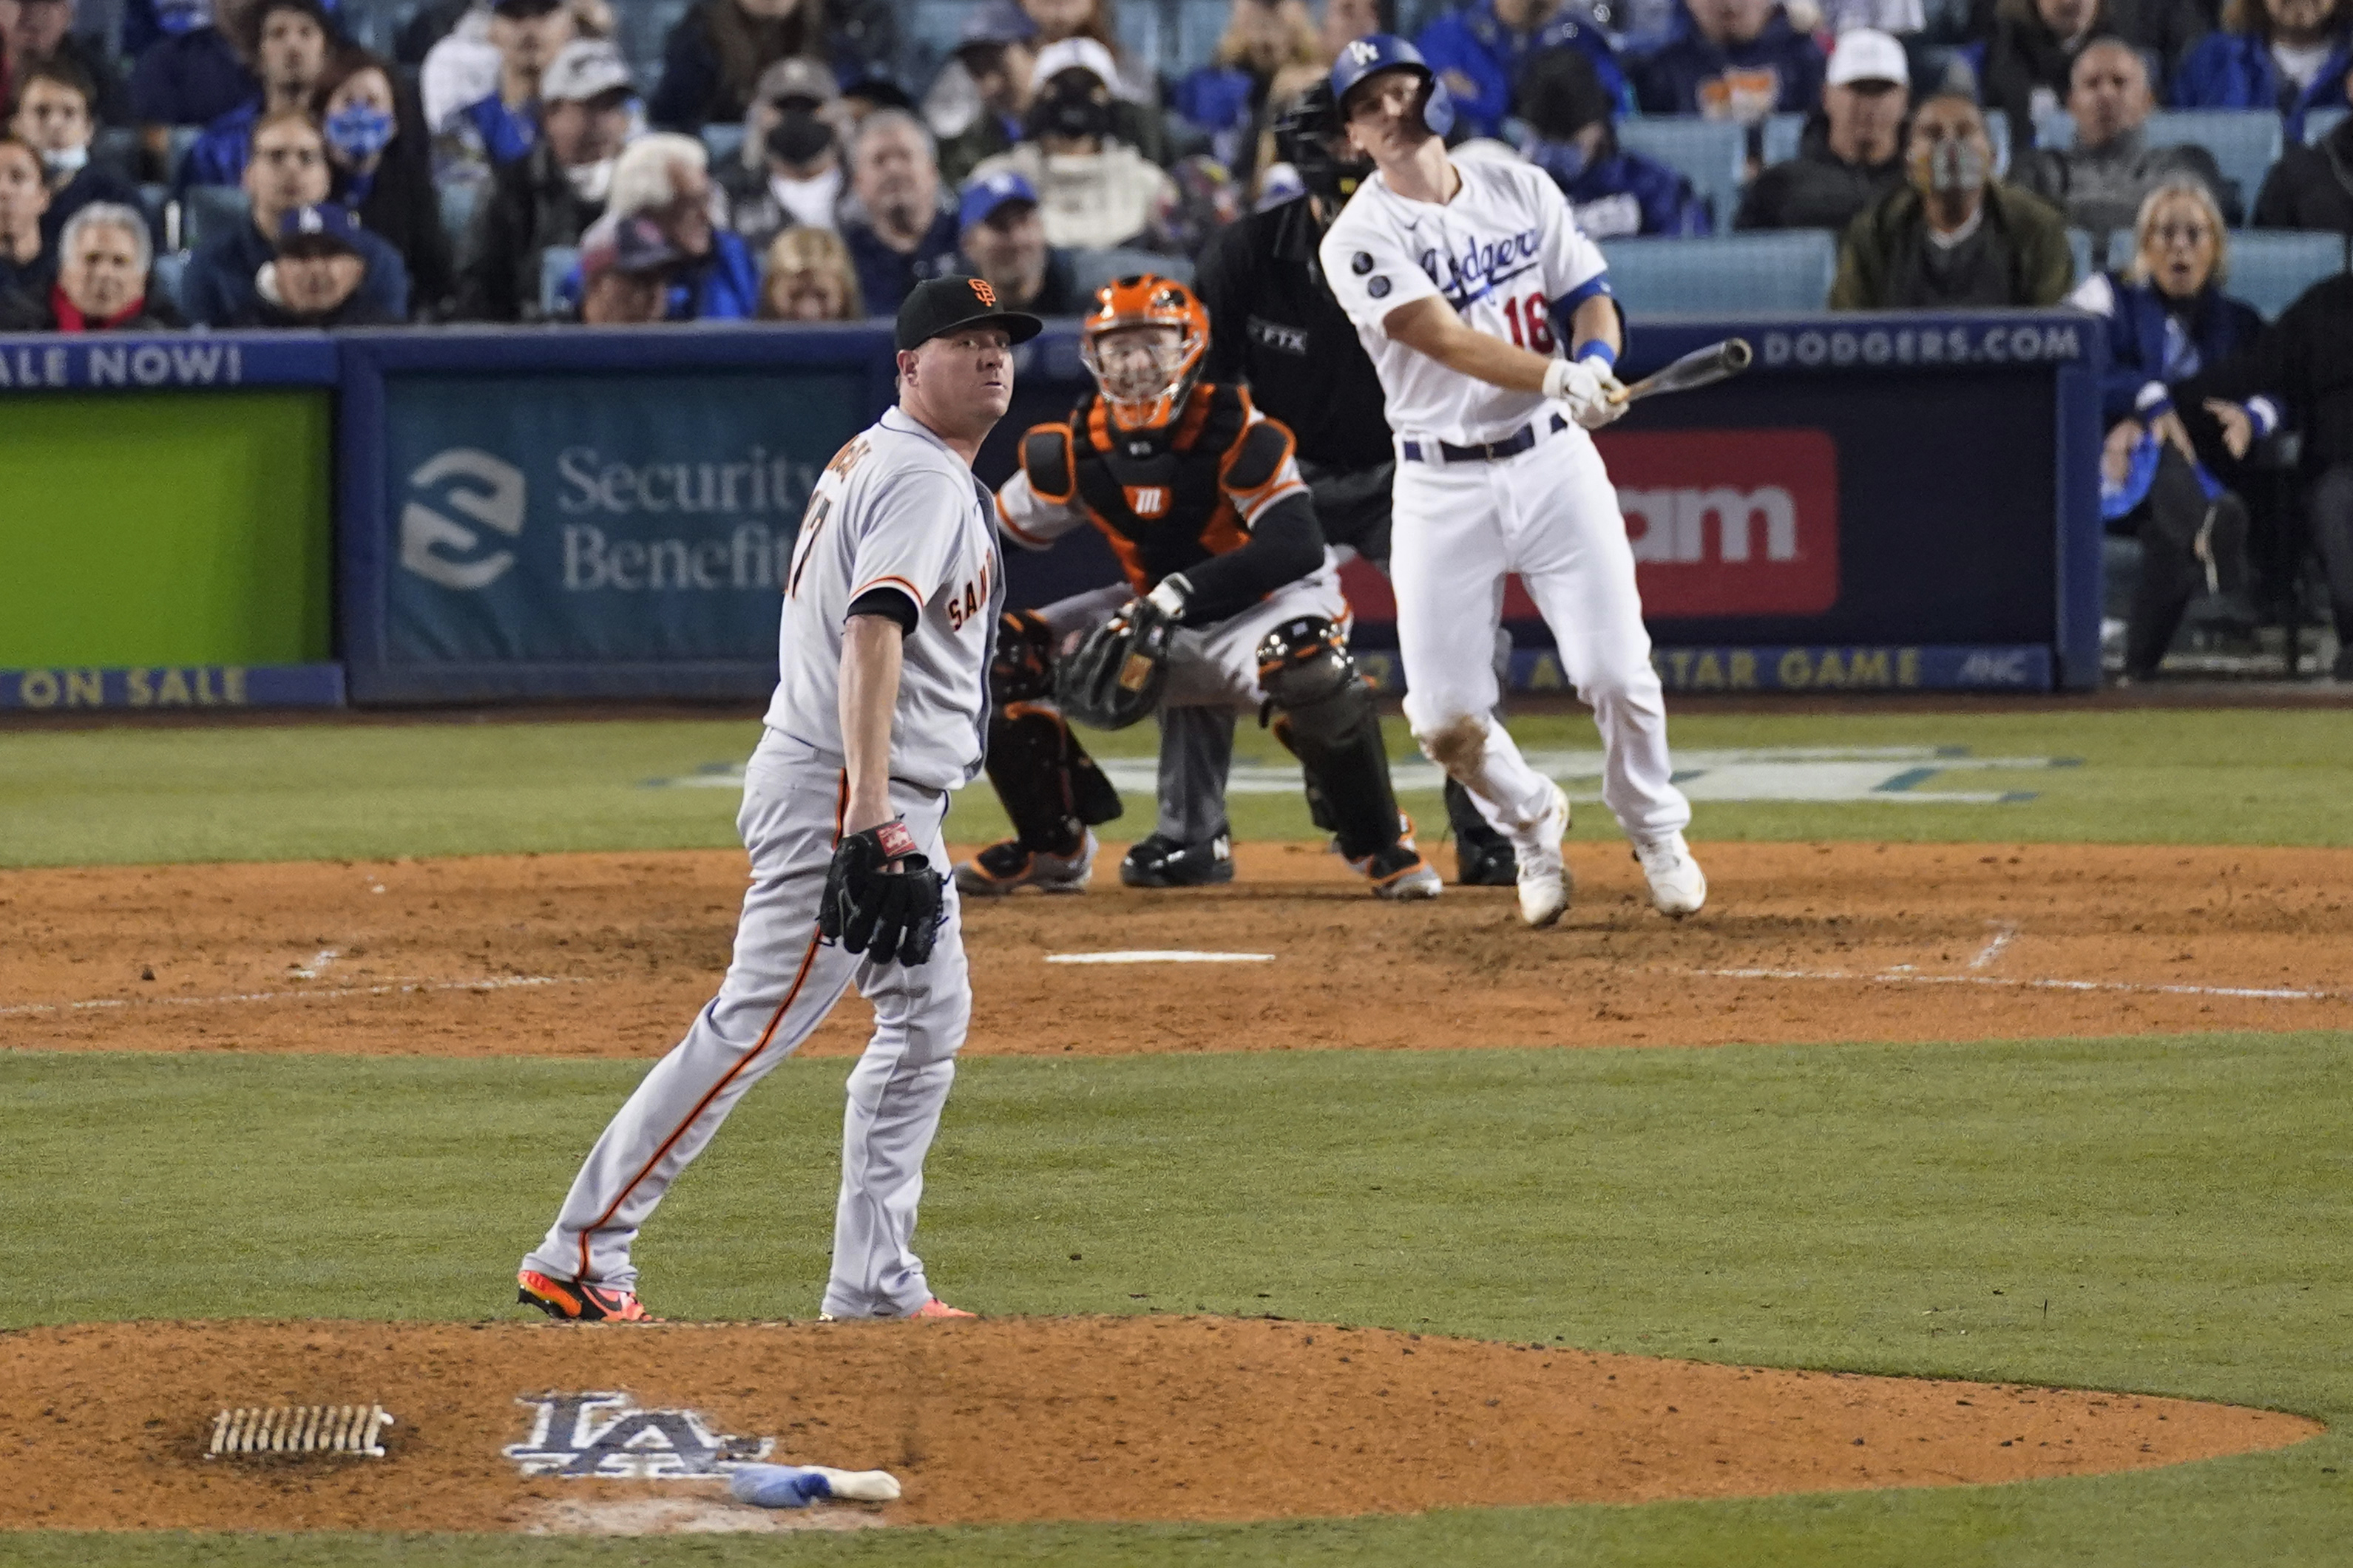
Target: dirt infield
<point x="610" y="954"/>
<point x="1083" y="1418"/>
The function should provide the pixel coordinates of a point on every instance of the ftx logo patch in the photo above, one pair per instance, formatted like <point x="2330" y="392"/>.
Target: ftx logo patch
<point x="604" y="1434"/>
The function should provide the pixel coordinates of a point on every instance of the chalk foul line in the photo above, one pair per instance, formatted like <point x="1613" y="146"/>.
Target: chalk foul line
<point x="501" y="983"/>
<point x="2261" y="994"/>
<point x="1174" y="956"/>
<point x="1992" y="950"/>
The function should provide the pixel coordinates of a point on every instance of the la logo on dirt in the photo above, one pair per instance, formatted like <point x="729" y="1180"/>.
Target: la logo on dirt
<point x="604" y="1435"/>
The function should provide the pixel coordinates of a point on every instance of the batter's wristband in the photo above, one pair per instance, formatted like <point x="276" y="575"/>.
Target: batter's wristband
<point x="1595" y="349"/>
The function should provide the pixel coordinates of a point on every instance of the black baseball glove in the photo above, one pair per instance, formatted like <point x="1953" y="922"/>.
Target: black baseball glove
<point x="892" y="917"/>
<point x="1117" y="675"/>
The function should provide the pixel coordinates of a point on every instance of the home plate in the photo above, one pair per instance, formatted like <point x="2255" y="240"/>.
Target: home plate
<point x="1170" y="956"/>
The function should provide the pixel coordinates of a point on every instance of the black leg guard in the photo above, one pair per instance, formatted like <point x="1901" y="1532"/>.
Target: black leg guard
<point x="1333" y="728"/>
<point x="1319" y="808"/>
<point x="1050" y="787"/>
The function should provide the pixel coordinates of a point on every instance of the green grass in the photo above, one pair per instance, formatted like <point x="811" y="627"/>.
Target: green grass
<point x="133" y="795"/>
<point x="2183" y="1204"/>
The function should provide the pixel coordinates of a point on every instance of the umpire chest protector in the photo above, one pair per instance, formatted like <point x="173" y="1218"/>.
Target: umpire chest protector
<point x="1163" y="498"/>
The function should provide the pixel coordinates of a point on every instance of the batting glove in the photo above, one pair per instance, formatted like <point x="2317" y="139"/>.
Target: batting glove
<point x="1585" y="385"/>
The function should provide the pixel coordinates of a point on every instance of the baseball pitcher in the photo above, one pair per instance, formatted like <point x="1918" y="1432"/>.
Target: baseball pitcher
<point x="891" y="606"/>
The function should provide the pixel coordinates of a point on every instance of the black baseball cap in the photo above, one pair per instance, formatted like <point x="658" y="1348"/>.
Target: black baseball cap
<point x="940" y="305"/>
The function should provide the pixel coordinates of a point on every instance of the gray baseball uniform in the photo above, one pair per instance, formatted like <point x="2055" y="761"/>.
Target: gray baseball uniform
<point x="894" y="509"/>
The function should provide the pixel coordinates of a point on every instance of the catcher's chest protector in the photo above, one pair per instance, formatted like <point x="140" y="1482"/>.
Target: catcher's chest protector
<point x="1158" y="495"/>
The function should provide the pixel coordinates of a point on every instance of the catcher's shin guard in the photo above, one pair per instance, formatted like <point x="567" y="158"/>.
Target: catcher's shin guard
<point x="1330" y="724"/>
<point x="1050" y="787"/>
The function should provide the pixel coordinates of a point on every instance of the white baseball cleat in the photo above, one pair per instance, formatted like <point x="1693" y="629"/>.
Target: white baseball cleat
<point x="1678" y="887"/>
<point x="1544" y="874"/>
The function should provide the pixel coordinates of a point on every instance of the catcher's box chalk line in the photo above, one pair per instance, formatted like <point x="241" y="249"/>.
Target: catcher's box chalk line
<point x="502" y="983"/>
<point x="1177" y="955"/>
<point x="2256" y="992"/>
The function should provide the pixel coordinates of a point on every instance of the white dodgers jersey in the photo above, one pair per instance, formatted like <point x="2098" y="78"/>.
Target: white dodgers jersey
<point x="895" y="510"/>
<point x="1504" y="253"/>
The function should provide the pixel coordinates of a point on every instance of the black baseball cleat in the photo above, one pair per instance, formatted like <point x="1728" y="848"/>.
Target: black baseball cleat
<point x="1159" y="861"/>
<point x="1487" y="865"/>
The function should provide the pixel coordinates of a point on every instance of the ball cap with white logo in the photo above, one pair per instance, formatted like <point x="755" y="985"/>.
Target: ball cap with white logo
<point x="586" y="69"/>
<point x="1866" y="54"/>
<point x="322" y="226"/>
<point x="941" y="305"/>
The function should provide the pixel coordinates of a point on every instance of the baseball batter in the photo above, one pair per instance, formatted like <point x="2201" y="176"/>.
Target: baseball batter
<point x="1464" y="281"/>
<point x="891" y="609"/>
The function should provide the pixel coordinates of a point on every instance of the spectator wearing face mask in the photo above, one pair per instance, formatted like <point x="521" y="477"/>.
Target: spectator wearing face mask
<point x="552" y="194"/>
<point x="1953" y="237"/>
<point x="1740" y="60"/>
<point x="287" y="40"/>
<point x="714" y="58"/>
<point x="2101" y="181"/>
<point x="27" y="261"/>
<point x="1482" y="50"/>
<point x="996" y="51"/>
<point x="103" y="258"/>
<point x="2291" y="56"/>
<point x="664" y="179"/>
<point x="896" y="229"/>
<point x="53" y="118"/>
<point x="318" y="279"/>
<point x="43" y="34"/>
<point x="1002" y="241"/>
<point x="791" y="173"/>
<point x="1093" y="189"/>
<point x="382" y="169"/>
<point x="191" y="75"/>
<point x="1569" y="135"/>
<point x="808" y="279"/>
<point x="1850" y="155"/>
<point x="503" y="124"/>
<point x="287" y="171"/>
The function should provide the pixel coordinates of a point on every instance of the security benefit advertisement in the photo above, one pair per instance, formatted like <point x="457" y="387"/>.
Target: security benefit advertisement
<point x="555" y="519"/>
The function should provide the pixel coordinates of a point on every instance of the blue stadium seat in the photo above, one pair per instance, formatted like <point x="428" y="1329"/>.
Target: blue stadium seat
<point x="2079" y="248"/>
<point x="164" y="278"/>
<point x="2052" y="127"/>
<point x="1726" y="274"/>
<point x="2120" y="249"/>
<point x="2269" y="270"/>
<point x="153" y="200"/>
<point x="1093" y="269"/>
<point x="211" y="210"/>
<point x="460" y="200"/>
<point x="2245" y="142"/>
<point x="1782" y="134"/>
<point x="115" y="147"/>
<point x="555" y="264"/>
<point x="724" y="142"/>
<point x="1712" y="154"/>
<point x="2319" y="122"/>
<point x="182" y="138"/>
<point x="1998" y="133"/>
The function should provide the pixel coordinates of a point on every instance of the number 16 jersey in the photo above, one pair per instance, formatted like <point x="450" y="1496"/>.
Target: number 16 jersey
<point x="1505" y="253"/>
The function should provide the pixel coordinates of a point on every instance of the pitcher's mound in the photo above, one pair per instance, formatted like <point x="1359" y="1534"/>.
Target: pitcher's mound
<point x="995" y="1421"/>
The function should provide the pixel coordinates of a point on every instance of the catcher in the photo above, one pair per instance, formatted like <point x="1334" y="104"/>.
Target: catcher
<point x="1232" y="606"/>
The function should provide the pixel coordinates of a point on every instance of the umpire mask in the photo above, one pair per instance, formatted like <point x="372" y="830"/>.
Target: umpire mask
<point x="1307" y="137"/>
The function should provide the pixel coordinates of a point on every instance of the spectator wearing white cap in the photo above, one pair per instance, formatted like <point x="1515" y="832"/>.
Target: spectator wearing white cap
<point x="552" y="193"/>
<point x="898" y="232"/>
<point x="1851" y="152"/>
<point x="1002" y="241"/>
<point x="790" y="175"/>
<point x="1094" y="190"/>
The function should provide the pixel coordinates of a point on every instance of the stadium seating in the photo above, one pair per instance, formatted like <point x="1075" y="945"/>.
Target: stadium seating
<point x="211" y="210"/>
<point x="460" y="200"/>
<point x="1712" y="154"/>
<point x="1784" y="132"/>
<point x="164" y="278"/>
<point x="2319" y="122"/>
<point x="2245" y="142"/>
<point x="724" y="142"/>
<point x="2269" y="270"/>
<point x="1727" y="274"/>
<point x="1093" y="269"/>
<point x="555" y="264"/>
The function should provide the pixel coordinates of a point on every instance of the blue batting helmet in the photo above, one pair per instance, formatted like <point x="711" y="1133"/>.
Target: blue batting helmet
<point x="1361" y="58"/>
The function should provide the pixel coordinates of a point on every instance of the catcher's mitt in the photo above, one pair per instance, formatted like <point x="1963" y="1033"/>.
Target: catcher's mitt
<point x="1117" y="675"/>
<point x="893" y="917"/>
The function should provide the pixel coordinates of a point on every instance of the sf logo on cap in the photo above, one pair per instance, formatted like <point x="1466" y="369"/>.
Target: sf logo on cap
<point x="982" y="291"/>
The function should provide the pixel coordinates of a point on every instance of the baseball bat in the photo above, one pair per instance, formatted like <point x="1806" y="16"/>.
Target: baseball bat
<point x="1701" y="367"/>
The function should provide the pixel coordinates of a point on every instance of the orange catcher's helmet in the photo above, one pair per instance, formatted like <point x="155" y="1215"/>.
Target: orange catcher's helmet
<point x="1143" y="377"/>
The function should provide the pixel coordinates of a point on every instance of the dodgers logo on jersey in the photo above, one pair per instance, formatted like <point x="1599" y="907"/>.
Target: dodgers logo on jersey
<point x="1482" y="263"/>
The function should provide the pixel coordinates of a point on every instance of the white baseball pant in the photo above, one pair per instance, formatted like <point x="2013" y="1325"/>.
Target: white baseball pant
<point x="782" y="982"/>
<point x="1550" y="515"/>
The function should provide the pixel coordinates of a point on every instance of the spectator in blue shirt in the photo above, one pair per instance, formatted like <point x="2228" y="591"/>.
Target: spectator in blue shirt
<point x="664" y="180"/>
<point x="287" y="43"/>
<point x="1570" y="136"/>
<point x="191" y="76"/>
<point x="897" y="231"/>
<point x="287" y="172"/>
<point x="27" y="263"/>
<point x="53" y="118"/>
<point x="505" y="125"/>
<point x="2286" y="55"/>
<point x="1741" y="61"/>
<point x="1480" y="51"/>
<point x="1226" y="100"/>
